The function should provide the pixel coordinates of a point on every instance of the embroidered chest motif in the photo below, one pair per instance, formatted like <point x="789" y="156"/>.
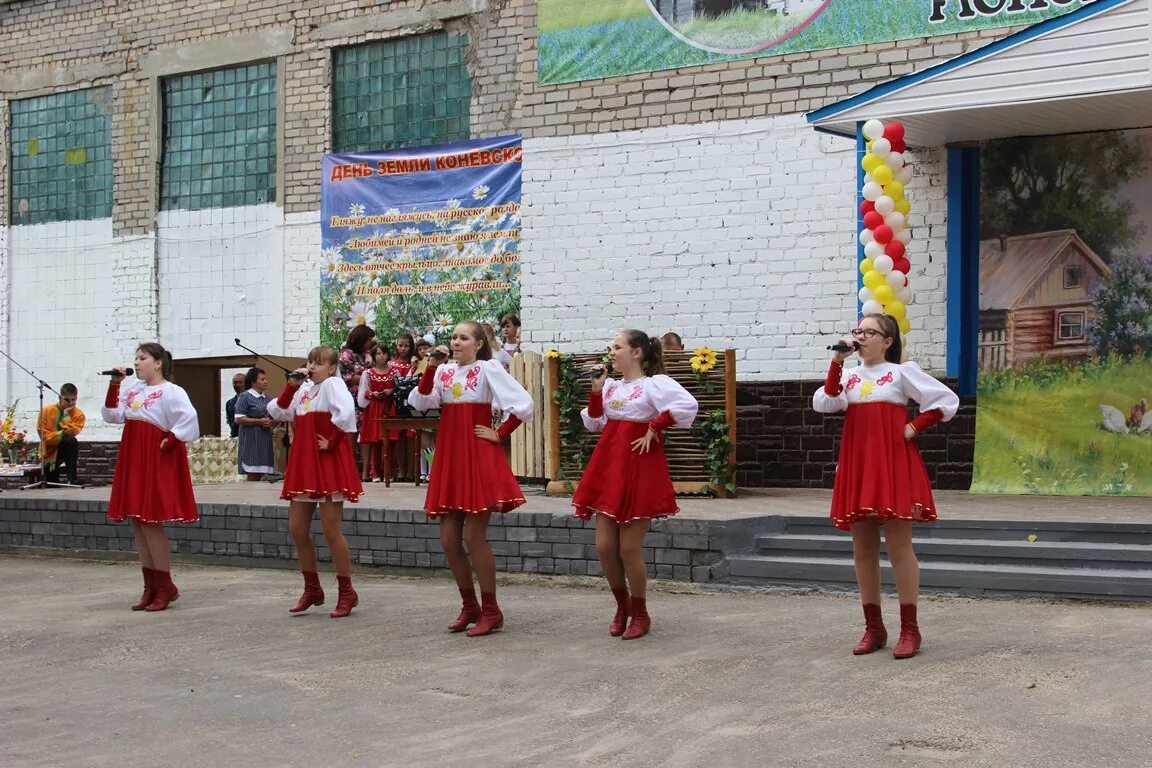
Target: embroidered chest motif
<point x="853" y="380"/>
<point x="306" y="402"/>
<point x="866" y="389"/>
<point x="136" y="402"/>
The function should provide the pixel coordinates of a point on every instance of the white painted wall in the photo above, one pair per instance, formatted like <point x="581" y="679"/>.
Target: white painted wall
<point x="736" y="234"/>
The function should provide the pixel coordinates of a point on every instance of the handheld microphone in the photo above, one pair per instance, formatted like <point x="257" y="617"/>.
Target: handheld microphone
<point x="437" y="355"/>
<point x="594" y="372"/>
<point x="839" y="347"/>
<point x="111" y="372"/>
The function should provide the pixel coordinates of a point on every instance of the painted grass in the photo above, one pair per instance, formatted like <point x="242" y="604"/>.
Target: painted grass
<point x="617" y="46"/>
<point x="1042" y="436"/>
<point x="739" y="29"/>
<point x="567" y="14"/>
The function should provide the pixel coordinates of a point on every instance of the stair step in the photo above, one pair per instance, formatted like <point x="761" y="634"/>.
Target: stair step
<point x="1132" y="583"/>
<point x="1050" y="531"/>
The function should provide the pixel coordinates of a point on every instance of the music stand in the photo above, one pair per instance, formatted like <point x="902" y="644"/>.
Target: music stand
<point x="41" y="385"/>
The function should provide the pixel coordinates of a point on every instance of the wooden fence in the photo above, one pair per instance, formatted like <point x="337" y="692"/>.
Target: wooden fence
<point x="530" y="441"/>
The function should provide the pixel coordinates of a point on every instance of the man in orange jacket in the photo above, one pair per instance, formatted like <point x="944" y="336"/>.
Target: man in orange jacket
<point x="58" y="426"/>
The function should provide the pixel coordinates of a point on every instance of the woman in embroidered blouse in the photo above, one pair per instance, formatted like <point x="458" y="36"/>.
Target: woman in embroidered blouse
<point x="375" y="400"/>
<point x="402" y="365"/>
<point x="880" y="476"/>
<point x="152" y="484"/>
<point x="626" y="483"/>
<point x="321" y="471"/>
<point x="254" y="452"/>
<point x="470" y="476"/>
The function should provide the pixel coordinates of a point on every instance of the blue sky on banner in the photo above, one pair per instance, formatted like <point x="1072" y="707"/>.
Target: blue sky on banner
<point x="417" y="239"/>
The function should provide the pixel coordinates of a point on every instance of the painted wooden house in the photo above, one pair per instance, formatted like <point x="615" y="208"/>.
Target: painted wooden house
<point x="1036" y="297"/>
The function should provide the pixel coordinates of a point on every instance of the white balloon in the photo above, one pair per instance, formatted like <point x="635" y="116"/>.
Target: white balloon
<point x="872" y="191"/>
<point x="895" y="278"/>
<point x="871" y="308"/>
<point x="904" y="174"/>
<point x="884" y="204"/>
<point x="866" y="237"/>
<point x="895" y="161"/>
<point x="904" y="236"/>
<point x="873" y="250"/>
<point x="882" y="264"/>
<point x="895" y="220"/>
<point x="882" y="146"/>
<point x="865" y="295"/>
<point x="904" y="295"/>
<point x="873" y="129"/>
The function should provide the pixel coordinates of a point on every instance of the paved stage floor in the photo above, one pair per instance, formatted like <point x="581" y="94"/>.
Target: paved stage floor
<point x="750" y="503"/>
<point x="228" y="678"/>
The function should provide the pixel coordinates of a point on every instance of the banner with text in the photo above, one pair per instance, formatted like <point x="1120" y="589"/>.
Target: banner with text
<point x="417" y="240"/>
<point x="606" y="38"/>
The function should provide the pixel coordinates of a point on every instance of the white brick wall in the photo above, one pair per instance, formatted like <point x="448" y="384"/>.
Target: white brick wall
<point x="302" y="261"/>
<point x="734" y="234"/>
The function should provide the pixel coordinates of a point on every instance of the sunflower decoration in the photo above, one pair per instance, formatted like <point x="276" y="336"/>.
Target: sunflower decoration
<point x="552" y="354"/>
<point x="703" y="360"/>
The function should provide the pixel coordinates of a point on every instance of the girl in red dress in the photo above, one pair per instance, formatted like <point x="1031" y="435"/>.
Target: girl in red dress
<point x="471" y="478"/>
<point x="321" y="470"/>
<point x="880" y="477"/>
<point x="403" y="364"/>
<point x="626" y="483"/>
<point x="375" y="400"/>
<point x="152" y="484"/>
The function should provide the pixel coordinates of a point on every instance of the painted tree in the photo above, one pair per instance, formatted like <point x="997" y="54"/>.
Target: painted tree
<point x="1123" y="305"/>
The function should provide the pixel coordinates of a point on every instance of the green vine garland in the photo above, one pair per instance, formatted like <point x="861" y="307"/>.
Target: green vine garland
<point x="713" y="430"/>
<point x="573" y="436"/>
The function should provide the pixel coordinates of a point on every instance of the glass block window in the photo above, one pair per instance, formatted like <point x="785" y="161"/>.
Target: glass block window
<point x="61" y="157"/>
<point x="400" y="93"/>
<point x="219" y="138"/>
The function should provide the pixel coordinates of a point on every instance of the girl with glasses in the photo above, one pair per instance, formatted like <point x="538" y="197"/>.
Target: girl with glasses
<point x="880" y="478"/>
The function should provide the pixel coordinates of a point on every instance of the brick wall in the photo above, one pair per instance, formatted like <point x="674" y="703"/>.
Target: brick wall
<point x="529" y="542"/>
<point x="782" y="442"/>
<point x="97" y="465"/>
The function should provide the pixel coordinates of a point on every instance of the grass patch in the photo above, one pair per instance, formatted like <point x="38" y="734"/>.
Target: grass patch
<point x="554" y="15"/>
<point x="739" y="29"/>
<point x="1039" y="432"/>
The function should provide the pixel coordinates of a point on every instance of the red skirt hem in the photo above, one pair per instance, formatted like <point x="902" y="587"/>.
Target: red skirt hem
<point x="318" y="474"/>
<point x="623" y="484"/>
<point x="151" y="485"/>
<point x="469" y="474"/>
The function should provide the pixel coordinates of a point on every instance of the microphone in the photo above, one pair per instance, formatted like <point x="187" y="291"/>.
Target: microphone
<point x="838" y="347"/>
<point x="111" y="372"/>
<point x="594" y="372"/>
<point x="437" y="355"/>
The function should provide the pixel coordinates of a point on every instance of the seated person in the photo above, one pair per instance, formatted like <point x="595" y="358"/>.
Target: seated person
<point x="58" y="426"/>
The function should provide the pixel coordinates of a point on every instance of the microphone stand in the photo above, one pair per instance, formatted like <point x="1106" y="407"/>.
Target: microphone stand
<point x="41" y="385"/>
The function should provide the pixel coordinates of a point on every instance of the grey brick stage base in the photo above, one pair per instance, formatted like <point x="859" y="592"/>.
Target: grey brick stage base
<point x="240" y="534"/>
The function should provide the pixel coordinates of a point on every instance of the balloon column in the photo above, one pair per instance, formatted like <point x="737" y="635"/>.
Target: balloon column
<point x="885" y="235"/>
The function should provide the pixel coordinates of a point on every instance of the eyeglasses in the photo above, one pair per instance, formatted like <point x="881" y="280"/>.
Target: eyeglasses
<point x="867" y="333"/>
<point x="68" y="399"/>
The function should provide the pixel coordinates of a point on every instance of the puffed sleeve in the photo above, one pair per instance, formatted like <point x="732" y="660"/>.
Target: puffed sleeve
<point x="823" y="401"/>
<point x="928" y="392"/>
<point x="283" y="407"/>
<point x="671" y="398"/>
<point x="426" y="396"/>
<point x="341" y="406"/>
<point x="183" y="422"/>
<point x="115" y="403"/>
<point x="593" y="416"/>
<point x="362" y="394"/>
<point x="507" y="393"/>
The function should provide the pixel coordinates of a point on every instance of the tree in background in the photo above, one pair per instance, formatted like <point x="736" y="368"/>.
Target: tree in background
<point x="1123" y="305"/>
<point x="1032" y="185"/>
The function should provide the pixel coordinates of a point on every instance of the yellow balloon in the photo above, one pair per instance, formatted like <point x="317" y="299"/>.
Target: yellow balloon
<point x="870" y="162"/>
<point x="873" y="279"/>
<point x="894" y="308"/>
<point x="903" y="206"/>
<point x="905" y="326"/>
<point x="894" y="189"/>
<point x="883" y="176"/>
<point x="866" y="266"/>
<point x="883" y="293"/>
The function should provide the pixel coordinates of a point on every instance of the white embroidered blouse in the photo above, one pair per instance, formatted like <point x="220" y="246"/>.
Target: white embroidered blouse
<point x="888" y="383"/>
<point x="643" y="400"/>
<point x="484" y="381"/>
<point x="329" y="396"/>
<point x="164" y="405"/>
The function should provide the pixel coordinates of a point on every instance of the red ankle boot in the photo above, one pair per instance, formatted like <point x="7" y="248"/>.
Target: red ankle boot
<point x="491" y="619"/>
<point x="875" y="635"/>
<point x="909" y="642"/>
<point x="166" y="591"/>
<point x="346" y="597"/>
<point x="620" y="620"/>
<point x="313" y="593"/>
<point x="469" y="613"/>
<point x="640" y="623"/>
<point x="149" y="590"/>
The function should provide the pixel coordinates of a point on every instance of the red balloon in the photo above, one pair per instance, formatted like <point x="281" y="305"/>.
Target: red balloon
<point x="899" y="146"/>
<point x="873" y="219"/>
<point x="902" y="263"/>
<point x="894" y="132"/>
<point x="867" y="206"/>
<point x="882" y="234"/>
<point x="895" y="249"/>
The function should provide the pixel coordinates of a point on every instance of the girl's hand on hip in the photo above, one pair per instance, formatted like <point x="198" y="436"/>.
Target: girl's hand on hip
<point x="486" y="433"/>
<point x="321" y="442"/>
<point x="644" y="443"/>
<point x="909" y="431"/>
